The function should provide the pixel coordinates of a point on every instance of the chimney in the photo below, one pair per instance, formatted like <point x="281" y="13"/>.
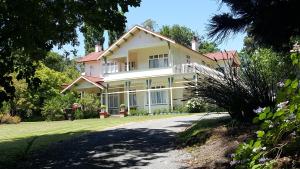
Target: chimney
<point x="98" y="48"/>
<point x="195" y="44"/>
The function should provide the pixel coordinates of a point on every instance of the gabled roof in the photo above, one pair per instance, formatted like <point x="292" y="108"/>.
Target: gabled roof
<point x="131" y="32"/>
<point x="90" y="57"/>
<point x="97" y="81"/>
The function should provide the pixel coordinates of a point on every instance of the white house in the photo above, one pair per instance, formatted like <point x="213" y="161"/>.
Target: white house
<point x="144" y="70"/>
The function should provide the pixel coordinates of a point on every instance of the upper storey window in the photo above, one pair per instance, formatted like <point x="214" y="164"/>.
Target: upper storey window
<point x="157" y="61"/>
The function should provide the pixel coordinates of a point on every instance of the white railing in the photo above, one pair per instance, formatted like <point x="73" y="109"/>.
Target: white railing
<point x="194" y="68"/>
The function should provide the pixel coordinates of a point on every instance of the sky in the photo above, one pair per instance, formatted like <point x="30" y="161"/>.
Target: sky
<point x="194" y="14"/>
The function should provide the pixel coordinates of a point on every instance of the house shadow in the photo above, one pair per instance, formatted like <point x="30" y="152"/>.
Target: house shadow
<point x="116" y="148"/>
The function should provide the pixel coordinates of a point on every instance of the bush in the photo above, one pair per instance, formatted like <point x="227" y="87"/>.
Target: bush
<point x="196" y="105"/>
<point x="8" y="119"/>
<point x="179" y="109"/>
<point x="79" y="114"/>
<point x="53" y="109"/>
<point x="138" y="112"/>
<point x="277" y="142"/>
<point x="237" y="92"/>
<point x="90" y="105"/>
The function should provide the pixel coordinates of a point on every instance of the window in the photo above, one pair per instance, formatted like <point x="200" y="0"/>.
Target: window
<point x="113" y="101"/>
<point x="91" y="70"/>
<point x="111" y="67"/>
<point x="157" y="61"/>
<point x="158" y="96"/>
<point x="131" y="65"/>
<point x="132" y="99"/>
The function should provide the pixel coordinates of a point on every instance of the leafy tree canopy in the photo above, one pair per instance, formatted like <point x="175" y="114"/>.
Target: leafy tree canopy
<point x="180" y="34"/>
<point x="272" y="23"/>
<point x="29" y="29"/>
<point x="208" y="47"/>
<point x="92" y="36"/>
<point x="149" y="24"/>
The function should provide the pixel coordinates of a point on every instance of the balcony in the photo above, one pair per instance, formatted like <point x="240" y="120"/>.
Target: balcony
<point x="113" y="73"/>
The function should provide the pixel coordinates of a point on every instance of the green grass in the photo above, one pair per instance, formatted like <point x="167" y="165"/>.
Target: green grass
<point x="15" y="138"/>
<point x="199" y="132"/>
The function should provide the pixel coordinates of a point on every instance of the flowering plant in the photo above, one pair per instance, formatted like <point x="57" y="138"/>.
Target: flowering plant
<point x="195" y="105"/>
<point x="278" y="135"/>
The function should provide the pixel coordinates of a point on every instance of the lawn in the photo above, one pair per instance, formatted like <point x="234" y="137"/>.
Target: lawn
<point x="14" y="138"/>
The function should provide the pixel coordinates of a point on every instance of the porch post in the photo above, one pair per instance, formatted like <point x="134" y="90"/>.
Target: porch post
<point x="169" y="55"/>
<point x="148" y="82"/>
<point x="101" y="97"/>
<point x="106" y="98"/>
<point x="170" y="80"/>
<point x="127" y="84"/>
<point x="127" y="65"/>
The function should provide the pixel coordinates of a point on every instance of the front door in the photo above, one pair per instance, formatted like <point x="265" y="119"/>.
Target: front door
<point x="113" y="103"/>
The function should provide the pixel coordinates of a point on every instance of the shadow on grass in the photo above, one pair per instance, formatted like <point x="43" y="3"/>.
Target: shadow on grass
<point x="118" y="148"/>
<point x="200" y="131"/>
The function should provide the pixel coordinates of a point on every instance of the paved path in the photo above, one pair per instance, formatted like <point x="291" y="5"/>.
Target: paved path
<point x="147" y="144"/>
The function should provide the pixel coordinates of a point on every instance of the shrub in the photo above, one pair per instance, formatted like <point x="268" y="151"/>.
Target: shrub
<point x="277" y="142"/>
<point x="91" y="105"/>
<point x="195" y="105"/>
<point x="8" y="119"/>
<point x="180" y="109"/>
<point x="53" y="109"/>
<point x="78" y="114"/>
<point x="138" y="112"/>
<point x="237" y="92"/>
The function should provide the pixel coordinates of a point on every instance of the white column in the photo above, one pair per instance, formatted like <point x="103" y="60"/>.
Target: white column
<point x="170" y="56"/>
<point x="128" y="99"/>
<point x="106" y="98"/>
<point x="170" y="80"/>
<point x="101" y="97"/>
<point x="127" y="60"/>
<point x="149" y="95"/>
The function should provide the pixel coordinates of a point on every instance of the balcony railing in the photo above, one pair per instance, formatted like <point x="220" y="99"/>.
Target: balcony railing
<point x="194" y="68"/>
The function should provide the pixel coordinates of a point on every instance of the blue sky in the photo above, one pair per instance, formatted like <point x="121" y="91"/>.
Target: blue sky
<point x="194" y="14"/>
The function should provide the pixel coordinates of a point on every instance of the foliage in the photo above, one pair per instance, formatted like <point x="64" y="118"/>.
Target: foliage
<point x="181" y="34"/>
<point x="103" y="107"/>
<point x="239" y="93"/>
<point x="271" y="23"/>
<point x="114" y="36"/>
<point x="138" y="112"/>
<point x="54" y="61"/>
<point x="208" y="47"/>
<point x="8" y="119"/>
<point x="25" y="40"/>
<point x="149" y="24"/>
<point x="90" y="105"/>
<point x="195" y="105"/>
<point x="79" y="114"/>
<point x="180" y="109"/>
<point x="53" y="109"/>
<point x="279" y="133"/>
<point x="92" y="36"/>
<point x="271" y="64"/>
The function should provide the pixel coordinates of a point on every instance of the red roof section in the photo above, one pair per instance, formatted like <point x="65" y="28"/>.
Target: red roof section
<point x="90" y="57"/>
<point x="221" y="55"/>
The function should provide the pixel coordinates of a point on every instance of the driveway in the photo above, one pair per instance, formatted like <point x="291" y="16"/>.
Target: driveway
<point x="147" y="144"/>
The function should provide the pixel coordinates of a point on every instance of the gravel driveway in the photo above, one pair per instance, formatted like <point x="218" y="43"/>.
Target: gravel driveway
<point x="147" y="144"/>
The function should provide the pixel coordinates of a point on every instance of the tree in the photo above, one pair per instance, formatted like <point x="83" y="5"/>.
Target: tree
<point x="92" y="36"/>
<point x="208" y="47"/>
<point x="180" y="34"/>
<point x="149" y="24"/>
<point x="114" y="35"/>
<point x="271" y="23"/>
<point x="54" y="61"/>
<point x="29" y="29"/>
